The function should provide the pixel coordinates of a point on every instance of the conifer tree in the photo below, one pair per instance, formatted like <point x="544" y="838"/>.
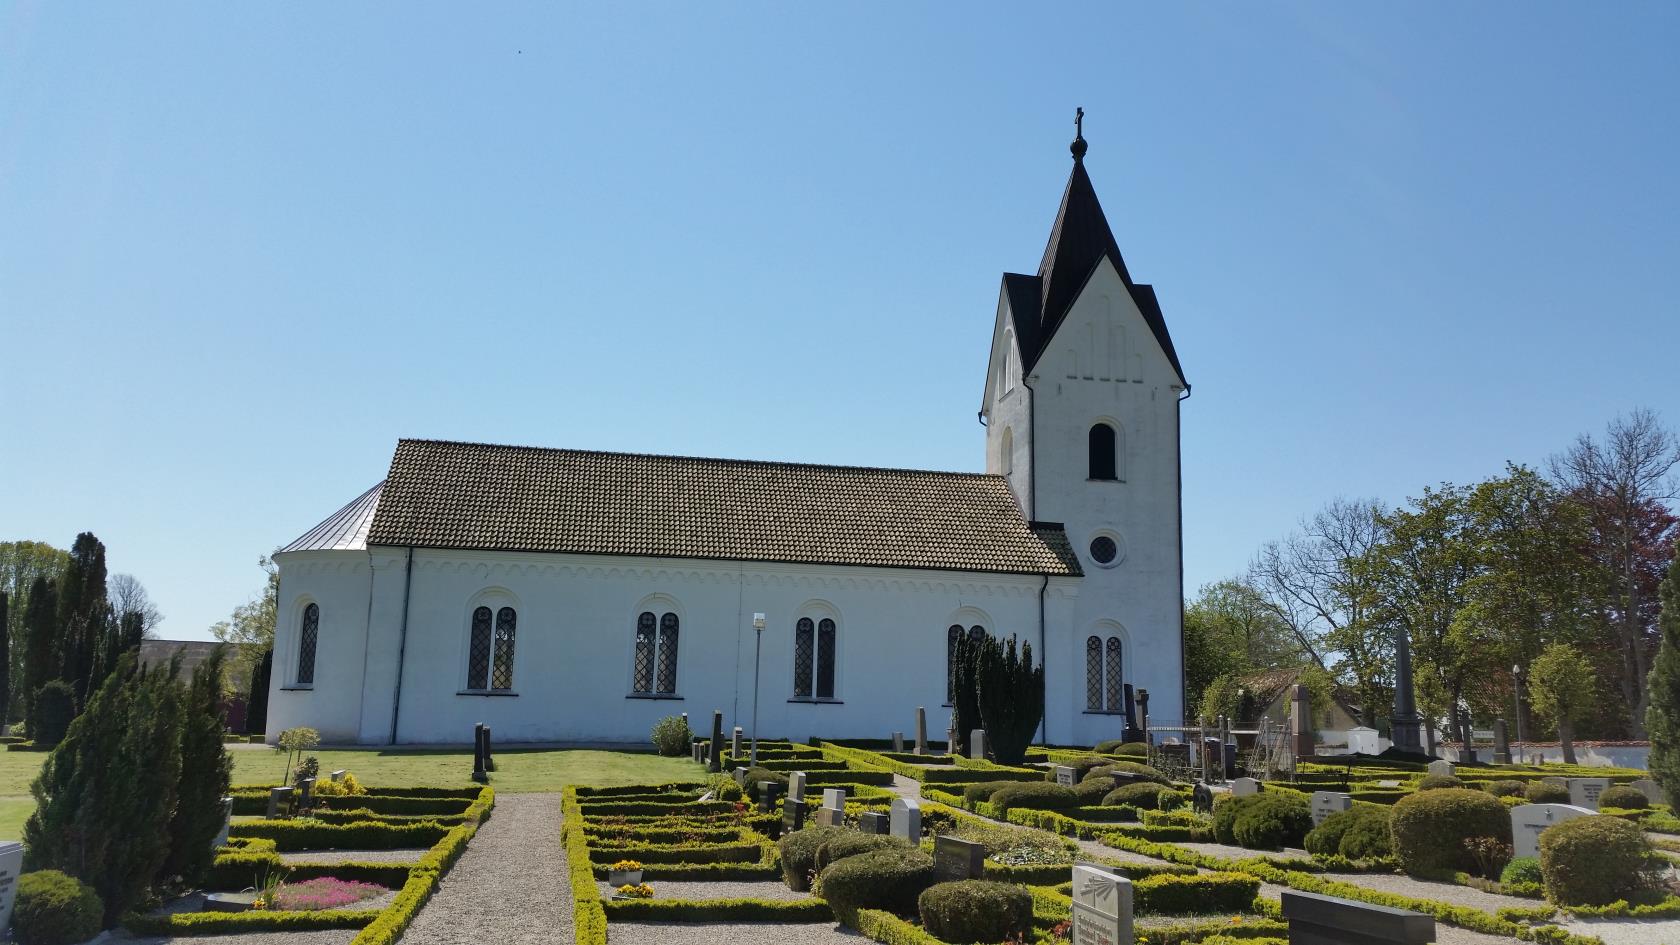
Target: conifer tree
<point x="40" y="633"/>
<point x="1662" y="716"/>
<point x="5" y="661"/>
<point x="964" y="685"/>
<point x="206" y="773"/>
<point x="83" y="610"/>
<point x="1010" y="696"/>
<point x="256" y="710"/>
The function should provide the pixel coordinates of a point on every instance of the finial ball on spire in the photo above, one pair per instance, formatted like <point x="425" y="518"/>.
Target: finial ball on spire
<point x="1078" y="147"/>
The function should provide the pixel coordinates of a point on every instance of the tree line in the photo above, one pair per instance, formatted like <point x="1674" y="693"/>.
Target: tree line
<point x="1544" y="578"/>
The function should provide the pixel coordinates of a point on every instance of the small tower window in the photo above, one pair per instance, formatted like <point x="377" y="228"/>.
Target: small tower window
<point x="1104" y="464"/>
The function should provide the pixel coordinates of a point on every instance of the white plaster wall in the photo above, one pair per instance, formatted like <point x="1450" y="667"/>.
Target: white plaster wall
<point x="573" y="656"/>
<point x="338" y="583"/>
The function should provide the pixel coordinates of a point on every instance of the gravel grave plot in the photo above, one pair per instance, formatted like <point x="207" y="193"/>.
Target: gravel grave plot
<point x="735" y="933"/>
<point x="1228" y="852"/>
<point x="328" y="937"/>
<point x="1627" y="931"/>
<point x="673" y="889"/>
<point x="1450" y="893"/>
<point x="510" y="887"/>
<point x="355" y="856"/>
<point x="194" y="902"/>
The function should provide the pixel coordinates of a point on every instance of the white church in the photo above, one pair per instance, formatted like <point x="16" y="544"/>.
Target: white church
<point x="563" y="595"/>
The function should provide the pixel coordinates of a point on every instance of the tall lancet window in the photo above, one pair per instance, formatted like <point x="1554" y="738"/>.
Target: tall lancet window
<point x="814" y="646"/>
<point x="1104" y="675"/>
<point x="655" y="669"/>
<point x="310" y="631"/>
<point x="490" y="649"/>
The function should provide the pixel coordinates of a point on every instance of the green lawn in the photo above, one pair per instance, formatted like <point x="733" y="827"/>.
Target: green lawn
<point x="517" y="771"/>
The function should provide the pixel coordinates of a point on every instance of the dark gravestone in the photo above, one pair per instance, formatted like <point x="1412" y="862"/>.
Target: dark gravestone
<point x="478" y="754"/>
<point x="1133" y="733"/>
<point x="871" y="822"/>
<point x="489" y="757"/>
<point x="1123" y="778"/>
<point x="1230" y="761"/>
<point x="306" y="793"/>
<point x="279" y="802"/>
<point x="793" y="815"/>
<point x="957" y="859"/>
<point x="1323" y="920"/>
<point x="714" y="762"/>
<point x="769" y="793"/>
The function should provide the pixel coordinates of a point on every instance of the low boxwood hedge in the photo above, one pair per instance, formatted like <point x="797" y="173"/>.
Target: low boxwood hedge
<point x="291" y="835"/>
<point x="1167" y="894"/>
<point x="1035" y="795"/>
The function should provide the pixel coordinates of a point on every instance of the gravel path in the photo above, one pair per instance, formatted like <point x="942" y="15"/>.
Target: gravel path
<point x="510" y="887"/>
<point x="354" y="856"/>
<point x="735" y="933"/>
<point x="1628" y="931"/>
<point x="673" y="889"/>
<point x="1450" y="893"/>
<point x="329" y="937"/>
<point x="1225" y="851"/>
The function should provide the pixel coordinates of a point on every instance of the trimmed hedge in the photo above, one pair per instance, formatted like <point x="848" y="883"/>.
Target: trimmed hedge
<point x="1540" y="792"/>
<point x="976" y="910"/>
<point x="799" y="854"/>
<point x="983" y="791"/>
<point x="717" y="910"/>
<point x="1623" y="797"/>
<point x="53" y="908"/>
<point x="1435" y="782"/>
<point x="1166" y="894"/>
<point x="1272" y="820"/>
<point x="1594" y="861"/>
<point x="1505" y="788"/>
<point x="1430" y="829"/>
<point x="1123" y="749"/>
<point x="1034" y="795"/>
<point x="851" y="843"/>
<point x="291" y="835"/>
<point x="1146" y="795"/>
<point x="1112" y="768"/>
<point x="886" y="879"/>
<point x="1368" y="826"/>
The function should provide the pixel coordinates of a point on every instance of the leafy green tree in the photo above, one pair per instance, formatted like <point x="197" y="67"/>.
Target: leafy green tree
<point x="1010" y="694"/>
<point x="1562" y="683"/>
<point x="1662" y="719"/>
<point x="251" y="628"/>
<point x="294" y="742"/>
<point x="1229" y="630"/>
<point x="105" y="796"/>
<point x="83" y="612"/>
<point x="40" y="652"/>
<point x="206" y="773"/>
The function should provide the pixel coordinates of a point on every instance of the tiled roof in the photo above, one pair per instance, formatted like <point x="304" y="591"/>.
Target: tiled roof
<point x="509" y="498"/>
<point x="344" y="530"/>
<point x="191" y="652"/>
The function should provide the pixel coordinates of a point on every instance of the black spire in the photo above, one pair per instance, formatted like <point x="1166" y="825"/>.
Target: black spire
<point x="1079" y="146"/>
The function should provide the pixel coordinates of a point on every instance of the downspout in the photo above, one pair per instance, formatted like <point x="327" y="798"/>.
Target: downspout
<point x="1032" y="516"/>
<point x="1043" y="659"/>
<point x="1178" y="463"/>
<point x="402" y="643"/>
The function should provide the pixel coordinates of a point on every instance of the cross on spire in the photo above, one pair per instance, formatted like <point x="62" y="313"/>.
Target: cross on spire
<point x="1079" y="146"/>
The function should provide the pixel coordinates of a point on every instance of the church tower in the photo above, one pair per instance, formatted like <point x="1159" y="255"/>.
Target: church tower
<point x="1081" y="406"/>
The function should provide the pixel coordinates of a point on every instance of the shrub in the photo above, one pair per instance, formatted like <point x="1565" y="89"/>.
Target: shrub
<point x="1523" y="869"/>
<point x="53" y="710"/>
<point x="1091" y="793"/>
<point x="976" y="910"/>
<point x="755" y="775"/>
<point x="1080" y="766"/>
<point x="723" y="787"/>
<point x="1225" y="810"/>
<point x="1146" y="795"/>
<point x="1010" y="696"/>
<point x="671" y="736"/>
<point x="851" y="843"/>
<point x="1034" y="795"/>
<point x="799" y="854"/>
<point x="1430" y="829"/>
<point x="55" y="909"/>
<point x="1123" y="749"/>
<point x="983" y="791"/>
<point x="1109" y="770"/>
<point x="1594" y="861"/>
<point x="309" y="767"/>
<point x="1271" y="821"/>
<point x="886" y="879"/>
<point x="1199" y="894"/>
<point x="206" y="772"/>
<point x="348" y="787"/>
<point x="1505" y="788"/>
<point x="1544" y="792"/>
<point x="1370" y="837"/>
<point x="1326" y="838"/>
<point x="1435" y="782"/>
<point x="1624" y="797"/>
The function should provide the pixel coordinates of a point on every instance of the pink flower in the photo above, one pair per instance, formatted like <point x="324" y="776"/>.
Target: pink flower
<point x="326" y="892"/>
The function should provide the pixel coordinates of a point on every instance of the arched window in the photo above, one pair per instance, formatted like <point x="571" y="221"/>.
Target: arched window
<point x="1104" y="464"/>
<point x="306" y="645"/>
<point x="490" y="649"/>
<point x="813" y="658"/>
<point x="656" y="655"/>
<point x="1104" y="675"/>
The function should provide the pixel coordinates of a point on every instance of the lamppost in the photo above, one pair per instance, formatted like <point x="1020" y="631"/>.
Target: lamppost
<point x="1516" y="688"/>
<point x="758" y="646"/>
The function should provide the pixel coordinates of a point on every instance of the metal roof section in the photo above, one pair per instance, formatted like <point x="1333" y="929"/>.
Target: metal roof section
<point x="344" y="530"/>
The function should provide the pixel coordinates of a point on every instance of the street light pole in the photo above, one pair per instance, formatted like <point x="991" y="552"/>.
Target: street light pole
<point x="1516" y="687"/>
<point x="758" y="646"/>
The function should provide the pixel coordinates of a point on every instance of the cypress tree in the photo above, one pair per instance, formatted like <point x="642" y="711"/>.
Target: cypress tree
<point x="256" y="710"/>
<point x="206" y="773"/>
<point x="1011" y="697"/>
<point x="83" y="609"/>
<point x="1662" y="717"/>
<point x="965" y="690"/>
<point x="5" y="661"/>
<point x="40" y="634"/>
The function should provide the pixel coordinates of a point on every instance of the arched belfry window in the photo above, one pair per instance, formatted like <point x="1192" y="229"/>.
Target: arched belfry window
<point x="307" y="636"/>
<point x="655" y="671"/>
<point x="490" y="649"/>
<point x="1104" y="453"/>
<point x="1104" y="675"/>
<point x="814" y="645"/>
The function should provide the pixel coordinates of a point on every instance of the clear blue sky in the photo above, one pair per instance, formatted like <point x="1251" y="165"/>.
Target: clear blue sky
<point x="244" y="247"/>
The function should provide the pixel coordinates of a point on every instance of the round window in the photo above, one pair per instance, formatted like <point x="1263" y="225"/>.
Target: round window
<point x="1103" y="549"/>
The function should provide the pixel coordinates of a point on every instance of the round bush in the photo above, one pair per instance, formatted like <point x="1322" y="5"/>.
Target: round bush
<point x="1594" y="861"/>
<point x="1430" y="828"/>
<point x="1108" y="771"/>
<point x="1146" y="795"/>
<point x="1435" y="782"/>
<point x="1326" y="838"/>
<point x="1370" y="837"/>
<point x="755" y="775"/>
<point x="1523" y="869"/>
<point x="1092" y="792"/>
<point x="1225" y="810"/>
<point x="1541" y="792"/>
<point x="886" y="879"/>
<point x="851" y="843"/>
<point x="975" y="910"/>
<point x="1123" y="749"/>
<point x="671" y="736"/>
<point x="55" y="909"/>
<point x="1624" y="797"/>
<point x="1274" y="820"/>
<point x="1034" y="795"/>
<point x="1080" y="766"/>
<point x="1505" y="788"/>
<point x="983" y="791"/>
<point x="799" y="854"/>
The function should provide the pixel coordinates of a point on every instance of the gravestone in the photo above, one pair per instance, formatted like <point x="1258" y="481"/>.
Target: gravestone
<point x="714" y="756"/>
<point x="1230" y="752"/>
<point x="489" y="756"/>
<point x="1213" y="757"/>
<point x="1243" y="787"/>
<point x="278" y="798"/>
<point x="11" y="865"/>
<point x="793" y="815"/>
<point x="1176" y="753"/>
<point x="898" y="741"/>
<point x="478" y="773"/>
<point x="1363" y="741"/>
<point x="872" y="822"/>
<point x="1300" y="721"/>
<point x="1325" y="803"/>
<point x="957" y="859"/>
<point x="306" y="792"/>
<point x="769" y="793"/>
<point x="1652" y="790"/>
<point x="227" y="823"/>
<point x="977" y="744"/>
<point x="1325" y="920"/>
<point x="1102" y="907"/>
<point x="1584" y="792"/>
<point x="831" y="817"/>
<point x="735" y="743"/>
<point x="1066" y="776"/>
<point x="1132" y="732"/>
<point x="1201" y="798"/>
<point x="741" y="777"/>
<point x="951" y="737"/>
<point x="698" y="750"/>
<point x="1143" y="714"/>
<point x="338" y="775"/>
<point x="1501" y="743"/>
<point x="1441" y="767"/>
<point x="906" y="817"/>
<point x="834" y="797"/>
<point x="1528" y="821"/>
<point x="796" y="784"/>
<point x="921" y="731"/>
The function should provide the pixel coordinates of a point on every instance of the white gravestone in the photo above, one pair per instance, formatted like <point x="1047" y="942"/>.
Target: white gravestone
<point x="1584" y="792"/>
<point x="1066" y="776"/>
<point x="11" y="864"/>
<point x="1528" y="821"/>
<point x="1652" y="790"/>
<point x="796" y="785"/>
<point x="227" y="822"/>
<point x="907" y="819"/>
<point x="741" y="777"/>
<point x="1363" y="741"/>
<point x="735" y="743"/>
<point x="1102" y="907"/>
<point x="1441" y="767"/>
<point x="1325" y="803"/>
<point x="835" y="798"/>
<point x="1243" y="787"/>
<point x="898" y="741"/>
<point x="338" y="775"/>
<point x="977" y="744"/>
